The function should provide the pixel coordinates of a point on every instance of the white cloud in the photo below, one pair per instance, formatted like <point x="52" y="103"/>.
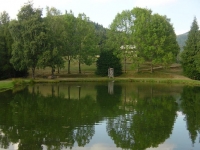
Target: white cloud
<point x="98" y="146"/>
<point x="103" y="147"/>
<point x="165" y="146"/>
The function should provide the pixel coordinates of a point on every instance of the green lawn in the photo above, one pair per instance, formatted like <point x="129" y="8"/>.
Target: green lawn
<point x="63" y="72"/>
<point x="170" y="75"/>
<point x="89" y="71"/>
<point x="6" y="85"/>
<point x="14" y="83"/>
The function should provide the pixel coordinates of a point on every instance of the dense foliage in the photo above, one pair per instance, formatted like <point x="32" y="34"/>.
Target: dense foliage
<point x="108" y="60"/>
<point x="191" y="53"/>
<point x="32" y="41"/>
<point x="190" y="108"/>
<point x="29" y="38"/>
<point x="86" y="41"/>
<point x="6" y="68"/>
<point x="144" y="37"/>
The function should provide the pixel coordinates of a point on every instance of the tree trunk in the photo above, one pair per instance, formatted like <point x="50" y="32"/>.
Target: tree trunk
<point x="52" y="72"/>
<point x="69" y="72"/>
<point x="125" y="64"/>
<point x="33" y="73"/>
<point x="79" y="67"/>
<point x="58" y="70"/>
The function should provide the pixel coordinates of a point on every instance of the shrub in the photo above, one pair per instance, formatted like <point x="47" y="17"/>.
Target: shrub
<point x="108" y="60"/>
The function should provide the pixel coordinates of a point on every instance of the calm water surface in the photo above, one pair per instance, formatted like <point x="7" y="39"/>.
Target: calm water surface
<point x="100" y="116"/>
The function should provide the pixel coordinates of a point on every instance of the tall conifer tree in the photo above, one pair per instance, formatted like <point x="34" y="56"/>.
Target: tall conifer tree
<point x="190" y="52"/>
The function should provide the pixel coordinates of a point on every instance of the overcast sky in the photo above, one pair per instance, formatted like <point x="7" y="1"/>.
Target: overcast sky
<point x="181" y="12"/>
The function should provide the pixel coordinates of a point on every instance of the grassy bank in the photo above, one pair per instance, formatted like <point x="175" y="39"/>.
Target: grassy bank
<point x="5" y="85"/>
<point x="173" y="75"/>
<point x="11" y="84"/>
<point x="120" y="79"/>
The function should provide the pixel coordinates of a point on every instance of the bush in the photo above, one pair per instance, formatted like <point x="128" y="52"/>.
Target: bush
<point x="18" y="82"/>
<point x="108" y="60"/>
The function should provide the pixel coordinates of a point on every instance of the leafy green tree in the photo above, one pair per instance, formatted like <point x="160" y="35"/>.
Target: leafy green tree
<point x="154" y="37"/>
<point x="150" y="123"/>
<point x="197" y="57"/>
<point x="5" y="46"/>
<point x="140" y="30"/>
<point x="70" y="39"/>
<point x="120" y="36"/>
<point x="101" y="35"/>
<point x="6" y="68"/>
<point x="86" y="41"/>
<point x="108" y="60"/>
<point x="190" y="52"/>
<point x="53" y="55"/>
<point x="28" y="34"/>
<point x="170" y="45"/>
<point x="121" y="30"/>
<point x="190" y="107"/>
<point x="109" y="103"/>
<point x="163" y="45"/>
<point x="30" y="121"/>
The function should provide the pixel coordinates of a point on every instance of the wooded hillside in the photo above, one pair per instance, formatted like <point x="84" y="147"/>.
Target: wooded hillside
<point x="181" y="39"/>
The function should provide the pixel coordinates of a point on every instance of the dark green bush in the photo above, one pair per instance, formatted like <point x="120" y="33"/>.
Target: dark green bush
<point x="108" y="60"/>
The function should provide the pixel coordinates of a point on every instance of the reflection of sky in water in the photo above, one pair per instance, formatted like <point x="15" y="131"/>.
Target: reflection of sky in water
<point x="179" y="139"/>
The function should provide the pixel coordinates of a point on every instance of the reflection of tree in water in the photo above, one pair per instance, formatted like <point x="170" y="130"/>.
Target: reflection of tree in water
<point x="148" y="125"/>
<point x="137" y="122"/>
<point x="119" y="129"/>
<point x="53" y="121"/>
<point x="4" y="113"/>
<point x="84" y="134"/>
<point x="191" y="108"/>
<point x="109" y="103"/>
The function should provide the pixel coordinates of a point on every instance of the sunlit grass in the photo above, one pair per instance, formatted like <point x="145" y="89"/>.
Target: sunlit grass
<point x="6" y="85"/>
<point x="89" y="71"/>
<point x="160" y="75"/>
<point x="14" y="83"/>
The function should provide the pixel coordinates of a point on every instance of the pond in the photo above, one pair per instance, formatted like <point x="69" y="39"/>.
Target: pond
<point x="100" y="116"/>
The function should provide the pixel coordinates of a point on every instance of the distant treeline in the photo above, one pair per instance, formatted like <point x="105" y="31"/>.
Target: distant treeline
<point x="181" y="39"/>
